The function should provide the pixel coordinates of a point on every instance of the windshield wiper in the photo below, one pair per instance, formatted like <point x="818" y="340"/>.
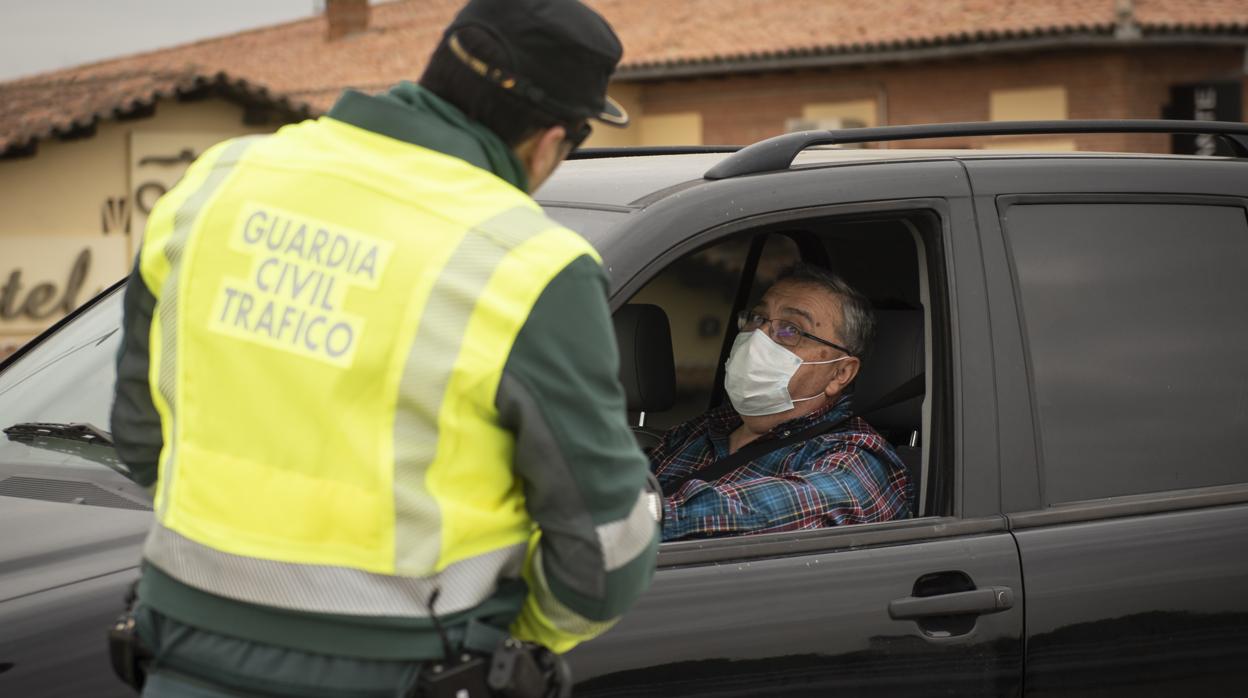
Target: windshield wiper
<point x="76" y="439"/>
<point x="76" y="431"/>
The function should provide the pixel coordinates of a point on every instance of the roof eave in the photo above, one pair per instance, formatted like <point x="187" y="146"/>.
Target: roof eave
<point x="239" y="90"/>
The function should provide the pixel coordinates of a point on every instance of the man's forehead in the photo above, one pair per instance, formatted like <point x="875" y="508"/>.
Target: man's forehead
<point x="803" y="299"/>
<point x="799" y="293"/>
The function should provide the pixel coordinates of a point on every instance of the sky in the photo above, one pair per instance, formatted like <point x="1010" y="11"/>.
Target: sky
<point x="41" y="35"/>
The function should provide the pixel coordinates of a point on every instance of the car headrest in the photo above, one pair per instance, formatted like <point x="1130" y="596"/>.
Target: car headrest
<point x="647" y="369"/>
<point x="896" y="356"/>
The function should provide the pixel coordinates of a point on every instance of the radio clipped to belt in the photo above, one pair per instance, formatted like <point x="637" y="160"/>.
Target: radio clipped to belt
<point x="492" y="665"/>
<point x="127" y="654"/>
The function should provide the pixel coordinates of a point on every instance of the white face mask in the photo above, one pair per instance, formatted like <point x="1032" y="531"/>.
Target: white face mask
<point x="758" y="375"/>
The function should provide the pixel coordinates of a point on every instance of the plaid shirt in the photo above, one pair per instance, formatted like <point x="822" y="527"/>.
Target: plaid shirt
<point x="847" y="476"/>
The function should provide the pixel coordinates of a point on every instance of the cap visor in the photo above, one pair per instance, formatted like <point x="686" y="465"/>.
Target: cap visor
<point x="613" y="114"/>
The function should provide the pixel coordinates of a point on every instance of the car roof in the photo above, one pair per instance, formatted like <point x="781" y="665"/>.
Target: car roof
<point x="626" y="179"/>
<point x="621" y="179"/>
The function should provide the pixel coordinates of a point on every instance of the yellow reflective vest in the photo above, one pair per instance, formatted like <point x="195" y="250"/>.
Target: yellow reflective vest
<point x="334" y="311"/>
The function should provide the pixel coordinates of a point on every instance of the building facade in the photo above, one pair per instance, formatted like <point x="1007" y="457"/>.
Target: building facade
<point x="74" y="211"/>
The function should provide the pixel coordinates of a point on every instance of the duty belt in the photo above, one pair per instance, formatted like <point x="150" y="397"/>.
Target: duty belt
<point x="489" y="664"/>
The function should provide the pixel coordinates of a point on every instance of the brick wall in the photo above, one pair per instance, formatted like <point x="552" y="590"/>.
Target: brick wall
<point x="1100" y="84"/>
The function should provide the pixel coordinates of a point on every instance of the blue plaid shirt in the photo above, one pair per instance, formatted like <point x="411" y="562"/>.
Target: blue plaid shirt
<point x="849" y="475"/>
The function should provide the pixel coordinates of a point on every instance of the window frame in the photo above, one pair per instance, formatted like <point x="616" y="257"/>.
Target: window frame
<point x="943" y="476"/>
<point x="115" y="287"/>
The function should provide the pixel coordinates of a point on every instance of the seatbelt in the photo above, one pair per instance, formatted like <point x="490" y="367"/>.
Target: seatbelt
<point x="912" y="388"/>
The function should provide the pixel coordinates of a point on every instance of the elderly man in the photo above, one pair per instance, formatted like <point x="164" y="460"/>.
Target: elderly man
<point x="813" y="464"/>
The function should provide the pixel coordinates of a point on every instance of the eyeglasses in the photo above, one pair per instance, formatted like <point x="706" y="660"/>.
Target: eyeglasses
<point x="577" y="134"/>
<point x="784" y="332"/>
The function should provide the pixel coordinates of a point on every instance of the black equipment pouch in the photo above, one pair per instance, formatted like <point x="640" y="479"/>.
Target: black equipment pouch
<point x="464" y="679"/>
<point x="125" y="650"/>
<point x="525" y="670"/>
<point x="515" y="670"/>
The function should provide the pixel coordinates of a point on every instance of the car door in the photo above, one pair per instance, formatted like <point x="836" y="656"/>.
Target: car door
<point x="1117" y="291"/>
<point x="928" y="606"/>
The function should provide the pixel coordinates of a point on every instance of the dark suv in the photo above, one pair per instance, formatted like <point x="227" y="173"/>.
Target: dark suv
<point x="1062" y="362"/>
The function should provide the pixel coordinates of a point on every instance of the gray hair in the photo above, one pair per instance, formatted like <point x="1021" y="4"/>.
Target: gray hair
<point x="859" y="320"/>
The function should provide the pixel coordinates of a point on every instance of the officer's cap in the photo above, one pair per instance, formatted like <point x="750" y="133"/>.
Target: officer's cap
<point x="562" y="55"/>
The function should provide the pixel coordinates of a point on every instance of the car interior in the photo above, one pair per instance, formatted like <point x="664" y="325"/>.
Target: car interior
<point x="675" y="333"/>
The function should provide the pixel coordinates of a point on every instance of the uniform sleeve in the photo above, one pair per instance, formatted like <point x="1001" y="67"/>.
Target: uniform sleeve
<point x="135" y="422"/>
<point x="843" y="485"/>
<point x="586" y="482"/>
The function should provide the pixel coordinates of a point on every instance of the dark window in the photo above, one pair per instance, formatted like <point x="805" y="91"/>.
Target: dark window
<point x="1135" y="320"/>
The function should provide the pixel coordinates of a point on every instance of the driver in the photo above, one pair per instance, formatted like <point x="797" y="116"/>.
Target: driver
<point x="797" y="352"/>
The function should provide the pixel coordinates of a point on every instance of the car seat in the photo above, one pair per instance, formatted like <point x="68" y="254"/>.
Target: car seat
<point x="647" y="368"/>
<point x="896" y="358"/>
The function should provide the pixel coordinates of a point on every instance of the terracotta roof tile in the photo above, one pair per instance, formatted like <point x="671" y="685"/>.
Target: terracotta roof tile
<point x="293" y="66"/>
<point x="713" y="30"/>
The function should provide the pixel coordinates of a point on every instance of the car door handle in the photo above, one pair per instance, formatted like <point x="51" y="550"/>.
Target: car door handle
<point x="976" y="602"/>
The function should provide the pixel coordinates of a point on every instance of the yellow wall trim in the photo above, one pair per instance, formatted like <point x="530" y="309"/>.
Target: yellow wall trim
<point x="855" y="112"/>
<point x="1026" y="104"/>
<point x="683" y="128"/>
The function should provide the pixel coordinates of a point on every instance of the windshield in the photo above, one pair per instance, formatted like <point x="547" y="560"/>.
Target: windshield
<point x="66" y="379"/>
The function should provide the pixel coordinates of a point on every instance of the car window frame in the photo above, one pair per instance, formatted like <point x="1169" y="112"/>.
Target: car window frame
<point x="939" y="322"/>
<point x="116" y="287"/>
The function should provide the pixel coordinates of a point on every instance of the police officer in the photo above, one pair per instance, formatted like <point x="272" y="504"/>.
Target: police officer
<point x="375" y="390"/>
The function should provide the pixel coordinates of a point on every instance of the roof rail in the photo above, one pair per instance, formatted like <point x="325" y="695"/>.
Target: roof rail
<point x="778" y="153"/>
<point x="636" y="151"/>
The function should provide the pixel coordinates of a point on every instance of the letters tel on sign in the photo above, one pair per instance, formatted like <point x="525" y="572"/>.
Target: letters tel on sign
<point x="1204" y="101"/>
<point x="43" y="299"/>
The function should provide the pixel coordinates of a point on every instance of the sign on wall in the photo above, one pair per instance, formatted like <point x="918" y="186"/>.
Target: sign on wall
<point x="42" y="278"/>
<point x="1204" y="101"/>
<point x="157" y="161"/>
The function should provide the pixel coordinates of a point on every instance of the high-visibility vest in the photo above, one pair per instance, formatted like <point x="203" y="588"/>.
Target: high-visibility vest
<point x="334" y="311"/>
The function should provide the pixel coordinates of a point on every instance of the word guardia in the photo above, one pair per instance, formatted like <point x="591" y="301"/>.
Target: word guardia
<point x="301" y="270"/>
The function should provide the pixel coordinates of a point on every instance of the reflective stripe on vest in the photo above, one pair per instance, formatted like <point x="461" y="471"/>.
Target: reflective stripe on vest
<point x="325" y="589"/>
<point x="277" y="299"/>
<point x="183" y="222"/>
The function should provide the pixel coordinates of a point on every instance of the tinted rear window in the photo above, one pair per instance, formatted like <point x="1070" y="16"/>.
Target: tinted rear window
<point x="1138" y="343"/>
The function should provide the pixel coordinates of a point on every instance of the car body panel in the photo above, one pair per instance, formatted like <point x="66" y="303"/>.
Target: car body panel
<point x="52" y="544"/>
<point x="811" y="624"/>
<point x="54" y="642"/>
<point x="1149" y="600"/>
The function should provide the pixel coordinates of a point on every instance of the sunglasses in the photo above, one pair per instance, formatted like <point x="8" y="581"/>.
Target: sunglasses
<point x="577" y="134"/>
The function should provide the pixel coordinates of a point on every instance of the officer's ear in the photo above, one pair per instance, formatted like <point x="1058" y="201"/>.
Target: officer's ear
<point x="541" y="153"/>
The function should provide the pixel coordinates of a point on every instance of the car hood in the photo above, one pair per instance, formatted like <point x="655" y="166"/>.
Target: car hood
<point x="49" y="544"/>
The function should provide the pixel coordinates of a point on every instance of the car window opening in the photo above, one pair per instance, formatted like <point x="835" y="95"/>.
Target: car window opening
<point x="885" y="257"/>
